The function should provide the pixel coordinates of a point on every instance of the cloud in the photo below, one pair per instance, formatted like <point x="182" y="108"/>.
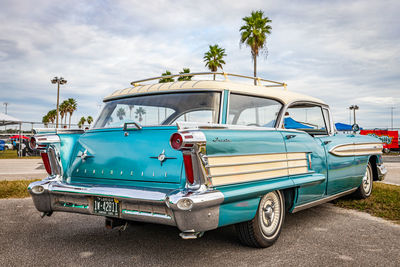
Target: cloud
<point x="342" y="52"/>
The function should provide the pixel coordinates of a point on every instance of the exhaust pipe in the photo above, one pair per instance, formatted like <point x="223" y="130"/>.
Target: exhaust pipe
<point x="191" y="235"/>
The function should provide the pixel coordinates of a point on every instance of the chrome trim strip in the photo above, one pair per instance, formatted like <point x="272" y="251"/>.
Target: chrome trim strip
<point x="144" y="213"/>
<point x="255" y="162"/>
<point x="255" y="154"/>
<point x="257" y="171"/>
<point x="50" y="131"/>
<point x="323" y="200"/>
<point x="350" y="149"/>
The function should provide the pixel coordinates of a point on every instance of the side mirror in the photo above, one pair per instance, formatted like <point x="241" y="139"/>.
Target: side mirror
<point x="355" y="128"/>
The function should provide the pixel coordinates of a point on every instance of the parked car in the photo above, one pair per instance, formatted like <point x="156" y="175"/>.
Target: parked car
<point x="203" y="154"/>
<point x="4" y="145"/>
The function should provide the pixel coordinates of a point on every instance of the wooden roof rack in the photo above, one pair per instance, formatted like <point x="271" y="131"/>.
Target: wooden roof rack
<point x="226" y="75"/>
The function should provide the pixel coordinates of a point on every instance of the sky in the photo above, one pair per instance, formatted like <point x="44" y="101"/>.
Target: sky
<point x="343" y="52"/>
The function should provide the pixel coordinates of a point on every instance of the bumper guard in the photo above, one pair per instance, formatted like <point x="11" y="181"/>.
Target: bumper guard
<point x="190" y="211"/>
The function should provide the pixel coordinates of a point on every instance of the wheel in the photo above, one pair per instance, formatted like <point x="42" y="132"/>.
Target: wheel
<point x="365" y="188"/>
<point x="265" y="228"/>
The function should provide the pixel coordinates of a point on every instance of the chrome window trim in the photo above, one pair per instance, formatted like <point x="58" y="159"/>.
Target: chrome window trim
<point x="220" y="91"/>
<point x="253" y="95"/>
<point x="288" y="105"/>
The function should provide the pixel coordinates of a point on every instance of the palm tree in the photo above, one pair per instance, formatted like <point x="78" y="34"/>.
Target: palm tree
<point x="121" y="113"/>
<point x="185" y="78"/>
<point x="139" y="113"/>
<point x="81" y="122"/>
<point x="46" y="120"/>
<point x="63" y="110"/>
<point x="130" y="110"/>
<point x="52" y="114"/>
<point x="72" y="105"/>
<point x="254" y="34"/>
<point x="89" y="120"/>
<point x="166" y="80"/>
<point x="214" y="58"/>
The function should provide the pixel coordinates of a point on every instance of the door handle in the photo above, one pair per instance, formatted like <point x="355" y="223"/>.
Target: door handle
<point x="327" y="142"/>
<point x="290" y="136"/>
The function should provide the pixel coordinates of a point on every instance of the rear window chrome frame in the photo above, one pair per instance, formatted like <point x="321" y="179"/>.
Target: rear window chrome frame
<point x="220" y="110"/>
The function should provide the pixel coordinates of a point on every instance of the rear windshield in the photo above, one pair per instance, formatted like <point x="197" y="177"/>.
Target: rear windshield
<point x="161" y="109"/>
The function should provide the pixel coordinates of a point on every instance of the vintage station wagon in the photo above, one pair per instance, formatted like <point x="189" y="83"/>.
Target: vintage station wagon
<point x="202" y="154"/>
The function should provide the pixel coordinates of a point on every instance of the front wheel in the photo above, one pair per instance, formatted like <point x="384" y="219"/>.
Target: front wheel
<point x="265" y="228"/>
<point x="365" y="189"/>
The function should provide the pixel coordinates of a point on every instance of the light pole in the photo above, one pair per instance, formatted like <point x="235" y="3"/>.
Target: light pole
<point x="5" y="104"/>
<point x="58" y="81"/>
<point x="354" y="108"/>
<point x="391" y="116"/>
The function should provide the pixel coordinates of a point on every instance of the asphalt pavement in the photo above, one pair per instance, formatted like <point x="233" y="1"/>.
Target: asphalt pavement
<point x="22" y="169"/>
<point x="321" y="236"/>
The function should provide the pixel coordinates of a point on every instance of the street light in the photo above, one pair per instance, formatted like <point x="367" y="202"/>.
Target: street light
<point x="391" y="117"/>
<point x="354" y="108"/>
<point x="58" y="81"/>
<point x="5" y="104"/>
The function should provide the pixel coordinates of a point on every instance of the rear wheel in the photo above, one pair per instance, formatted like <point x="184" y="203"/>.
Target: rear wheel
<point x="266" y="226"/>
<point x="365" y="188"/>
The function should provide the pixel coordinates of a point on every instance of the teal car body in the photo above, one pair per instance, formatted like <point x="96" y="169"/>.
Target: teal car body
<point x="202" y="155"/>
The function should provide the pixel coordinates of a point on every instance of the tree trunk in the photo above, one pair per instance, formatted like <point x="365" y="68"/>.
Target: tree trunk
<point x="70" y="120"/>
<point x="214" y="77"/>
<point x="255" y="68"/>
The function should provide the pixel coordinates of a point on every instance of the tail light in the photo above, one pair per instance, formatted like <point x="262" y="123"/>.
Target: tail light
<point x="32" y="143"/>
<point x="187" y="141"/>
<point x="46" y="162"/>
<point x="187" y="161"/>
<point x="176" y="141"/>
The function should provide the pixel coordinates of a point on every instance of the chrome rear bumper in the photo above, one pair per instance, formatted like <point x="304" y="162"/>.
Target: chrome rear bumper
<point x="190" y="211"/>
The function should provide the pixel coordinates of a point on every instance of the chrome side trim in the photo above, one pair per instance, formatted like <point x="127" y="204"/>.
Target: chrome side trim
<point x="254" y="154"/>
<point x="323" y="200"/>
<point x="256" y="162"/>
<point x="257" y="171"/>
<point x="357" y="149"/>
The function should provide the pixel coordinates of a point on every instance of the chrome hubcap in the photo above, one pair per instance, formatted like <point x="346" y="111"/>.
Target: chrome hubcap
<point x="367" y="181"/>
<point x="270" y="214"/>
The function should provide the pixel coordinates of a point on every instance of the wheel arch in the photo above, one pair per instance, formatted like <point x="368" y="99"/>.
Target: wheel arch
<point x="290" y="195"/>
<point x="374" y="161"/>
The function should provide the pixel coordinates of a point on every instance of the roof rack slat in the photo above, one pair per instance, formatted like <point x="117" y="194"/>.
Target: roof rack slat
<point x="224" y="74"/>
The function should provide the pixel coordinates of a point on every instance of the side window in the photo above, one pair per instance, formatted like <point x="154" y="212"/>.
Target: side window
<point x="202" y="116"/>
<point x="253" y="111"/>
<point x="307" y="118"/>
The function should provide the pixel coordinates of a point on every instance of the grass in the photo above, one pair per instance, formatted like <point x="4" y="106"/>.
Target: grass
<point x="15" y="189"/>
<point x="13" y="154"/>
<point x="384" y="202"/>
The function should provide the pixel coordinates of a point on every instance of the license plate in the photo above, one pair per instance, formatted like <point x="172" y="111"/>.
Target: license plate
<point x="106" y="206"/>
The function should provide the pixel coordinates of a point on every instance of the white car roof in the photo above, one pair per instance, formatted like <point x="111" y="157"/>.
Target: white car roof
<point x="281" y="94"/>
